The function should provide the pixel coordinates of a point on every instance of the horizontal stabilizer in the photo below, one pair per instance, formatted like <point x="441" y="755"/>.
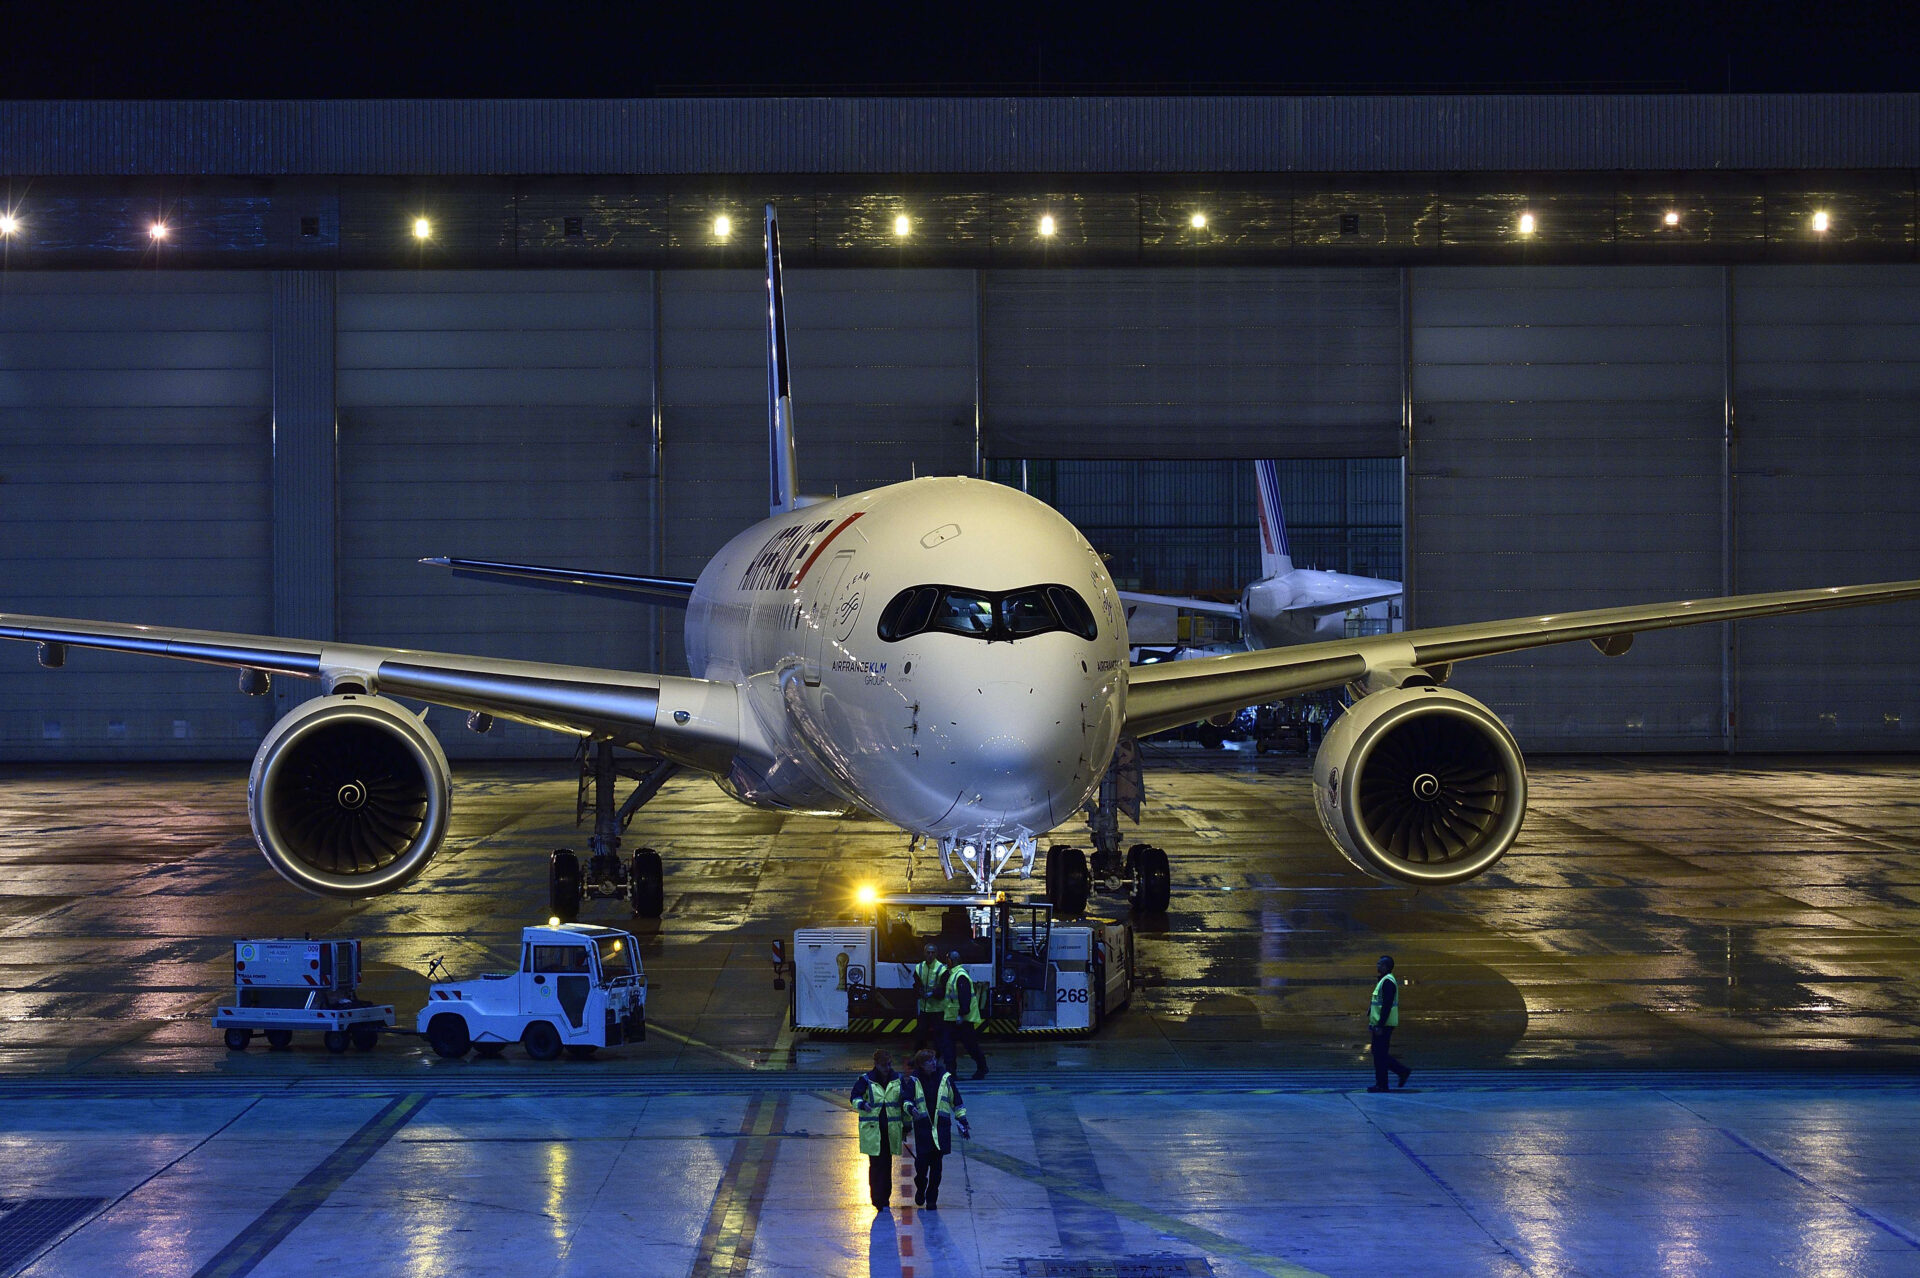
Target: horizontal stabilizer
<point x="671" y="591"/>
<point x="1212" y="606"/>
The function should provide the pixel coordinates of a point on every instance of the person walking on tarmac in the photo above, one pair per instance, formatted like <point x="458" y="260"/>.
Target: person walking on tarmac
<point x="876" y="1098"/>
<point x="933" y="1104"/>
<point x="965" y="1009"/>
<point x="1383" y="1014"/>
<point x="930" y="986"/>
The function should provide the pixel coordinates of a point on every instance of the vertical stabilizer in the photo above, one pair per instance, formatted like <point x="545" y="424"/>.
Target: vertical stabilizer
<point x="1276" y="559"/>
<point x="784" y="483"/>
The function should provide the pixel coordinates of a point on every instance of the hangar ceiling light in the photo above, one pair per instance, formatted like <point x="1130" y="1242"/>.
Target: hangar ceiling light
<point x="1198" y="221"/>
<point x="1526" y="224"/>
<point x="1821" y="222"/>
<point x="158" y="231"/>
<point x="901" y="225"/>
<point x="722" y="227"/>
<point x="1046" y="224"/>
<point x="8" y="224"/>
<point x="1672" y="218"/>
<point x="422" y="228"/>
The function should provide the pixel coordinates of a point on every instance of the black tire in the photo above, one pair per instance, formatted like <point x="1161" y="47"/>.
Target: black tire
<point x="563" y="885"/>
<point x="364" y="1037"/>
<point x="447" y="1035"/>
<point x="489" y="1051"/>
<point x="336" y="1041"/>
<point x="581" y="1051"/>
<point x="1068" y="885"/>
<point x="1212" y="737"/>
<point x="646" y="884"/>
<point x="541" y="1040"/>
<point x="1152" y="880"/>
<point x="279" y="1040"/>
<point x="237" y="1039"/>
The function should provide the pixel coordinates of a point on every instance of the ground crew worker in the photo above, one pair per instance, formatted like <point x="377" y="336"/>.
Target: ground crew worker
<point x="929" y="983"/>
<point x="933" y="1103"/>
<point x="876" y="1097"/>
<point x="1383" y="1013"/>
<point x="964" y="1011"/>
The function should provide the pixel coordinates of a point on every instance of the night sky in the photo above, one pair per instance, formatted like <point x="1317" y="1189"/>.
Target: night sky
<point x="543" y="48"/>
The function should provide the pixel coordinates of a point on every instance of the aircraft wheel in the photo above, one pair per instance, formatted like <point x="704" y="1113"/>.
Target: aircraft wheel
<point x="541" y="1040"/>
<point x="447" y="1035"/>
<point x="237" y="1039"/>
<point x="1152" y="879"/>
<point x="646" y="884"/>
<point x="1067" y="881"/>
<point x="563" y="885"/>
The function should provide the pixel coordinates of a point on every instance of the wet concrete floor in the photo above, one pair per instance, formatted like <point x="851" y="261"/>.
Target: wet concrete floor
<point x="1673" y="913"/>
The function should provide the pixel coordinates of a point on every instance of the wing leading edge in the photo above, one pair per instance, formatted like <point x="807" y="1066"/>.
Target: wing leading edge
<point x="1172" y="693"/>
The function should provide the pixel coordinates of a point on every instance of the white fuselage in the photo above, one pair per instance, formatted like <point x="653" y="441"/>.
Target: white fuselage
<point x="943" y="734"/>
<point x="1305" y="605"/>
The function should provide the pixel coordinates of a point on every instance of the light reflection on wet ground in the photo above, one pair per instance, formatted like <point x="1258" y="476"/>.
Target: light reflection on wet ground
<point x="1655" y="913"/>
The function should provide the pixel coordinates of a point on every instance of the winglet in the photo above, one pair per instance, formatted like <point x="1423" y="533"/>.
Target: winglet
<point x="784" y="483"/>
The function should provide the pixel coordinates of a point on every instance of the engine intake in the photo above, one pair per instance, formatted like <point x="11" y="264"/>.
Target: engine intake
<point x="1424" y="785"/>
<point x="349" y="795"/>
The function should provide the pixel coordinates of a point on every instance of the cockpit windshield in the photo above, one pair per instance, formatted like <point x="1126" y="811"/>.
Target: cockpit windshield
<point x="983" y="614"/>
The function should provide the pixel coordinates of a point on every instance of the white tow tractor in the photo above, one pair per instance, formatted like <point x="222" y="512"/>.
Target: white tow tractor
<point x="578" y="988"/>
<point x="1043" y="976"/>
<point x="281" y="986"/>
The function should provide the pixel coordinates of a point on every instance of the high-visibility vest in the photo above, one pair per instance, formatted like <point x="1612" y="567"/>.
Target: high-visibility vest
<point x="1373" y="1009"/>
<point x="883" y="1106"/>
<point x="931" y="974"/>
<point x="945" y="1110"/>
<point x="976" y="1009"/>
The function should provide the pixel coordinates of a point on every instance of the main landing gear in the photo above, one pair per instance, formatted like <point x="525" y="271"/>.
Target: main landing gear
<point x="1143" y="875"/>
<point x="642" y="878"/>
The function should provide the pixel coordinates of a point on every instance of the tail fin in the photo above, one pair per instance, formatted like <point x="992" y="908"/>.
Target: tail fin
<point x="1276" y="559"/>
<point x="784" y="482"/>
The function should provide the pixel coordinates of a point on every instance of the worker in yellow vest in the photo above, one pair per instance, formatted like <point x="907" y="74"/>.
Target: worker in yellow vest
<point x="966" y="1007"/>
<point x="934" y="1105"/>
<point x="876" y="1099"/>
<point x="1383" y="1014"/>
<point x="930" y="985"/>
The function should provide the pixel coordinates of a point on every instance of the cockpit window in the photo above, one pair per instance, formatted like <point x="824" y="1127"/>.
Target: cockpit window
<point x="980" y="614"/>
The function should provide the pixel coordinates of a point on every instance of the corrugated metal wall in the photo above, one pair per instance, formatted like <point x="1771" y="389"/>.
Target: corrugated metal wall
<point x="1828" y="408"/>
<point x="1228" y="363"/>
<point x="135" y="448"/>
<point x="495" y="415"/>
<point x="1568" y="426"/>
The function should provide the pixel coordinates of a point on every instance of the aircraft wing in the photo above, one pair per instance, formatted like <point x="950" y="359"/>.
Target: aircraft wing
<point x="693" y="721"/>
<point x="1185" y="605"/>
<point x="673" y="591"/>
<point x="1168" y="694"/>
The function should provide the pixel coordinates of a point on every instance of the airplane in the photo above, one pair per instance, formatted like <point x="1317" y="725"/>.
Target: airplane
<point x="946" y="654"/>
<point x="1286" y="605"/>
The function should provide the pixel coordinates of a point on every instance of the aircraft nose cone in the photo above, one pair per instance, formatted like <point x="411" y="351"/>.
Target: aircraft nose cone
<point x="1027" y="733"/>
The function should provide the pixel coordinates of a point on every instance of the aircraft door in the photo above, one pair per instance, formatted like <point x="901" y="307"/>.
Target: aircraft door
<point x="821" y="615"/>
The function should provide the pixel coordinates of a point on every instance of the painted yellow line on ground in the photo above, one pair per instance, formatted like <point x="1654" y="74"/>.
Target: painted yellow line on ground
<point x="726" y="1242"/>
<point x="782" y="1057"/>
<point x="735" y="1058"/>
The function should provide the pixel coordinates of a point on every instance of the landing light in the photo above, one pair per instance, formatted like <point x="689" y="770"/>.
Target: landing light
<point x="422" y="228"/>
<point x="722" y="227"/>
<point x="866" y="894"/>
<point x="901" y="225"/>
<point x="1526" y="224"/>
<point x="1046" y="224"/>
<point x="969" y="852"/>
<point x="1821" y="222"/>
<point x="1198" y="221"/>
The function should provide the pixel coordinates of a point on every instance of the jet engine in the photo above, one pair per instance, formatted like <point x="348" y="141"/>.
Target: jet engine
<point x="349" y="795"/>
<point x="1420" y="784"/>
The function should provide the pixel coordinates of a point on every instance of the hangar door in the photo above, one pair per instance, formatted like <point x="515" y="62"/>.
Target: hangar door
<point x="135" y="447"/>
<point x="1566" y="454"/>
<point x="1827" y="396"/>
<point x="1203" y="363"/>
<point x="494" y="415"/>
<point x="882" y="382"/>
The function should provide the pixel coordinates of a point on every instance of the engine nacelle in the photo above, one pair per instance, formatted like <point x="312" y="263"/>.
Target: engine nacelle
<point x="349" y="795"/>
<point x="1420" y="784"/>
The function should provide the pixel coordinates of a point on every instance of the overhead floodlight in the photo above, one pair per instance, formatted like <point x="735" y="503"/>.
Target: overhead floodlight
<point x="1526" y="224"/>
<point x="1198" y="221"/>
<point x="1046" y="224"/>
<point x="1672" y="218"/>
<point x="422" y="228"/>
<point x="8" y="224"/>
<point x="158" y="231"/>
<point x="902" y="225"/>
<point x="722" y="227"/>
<point x="1821" y="222"/>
